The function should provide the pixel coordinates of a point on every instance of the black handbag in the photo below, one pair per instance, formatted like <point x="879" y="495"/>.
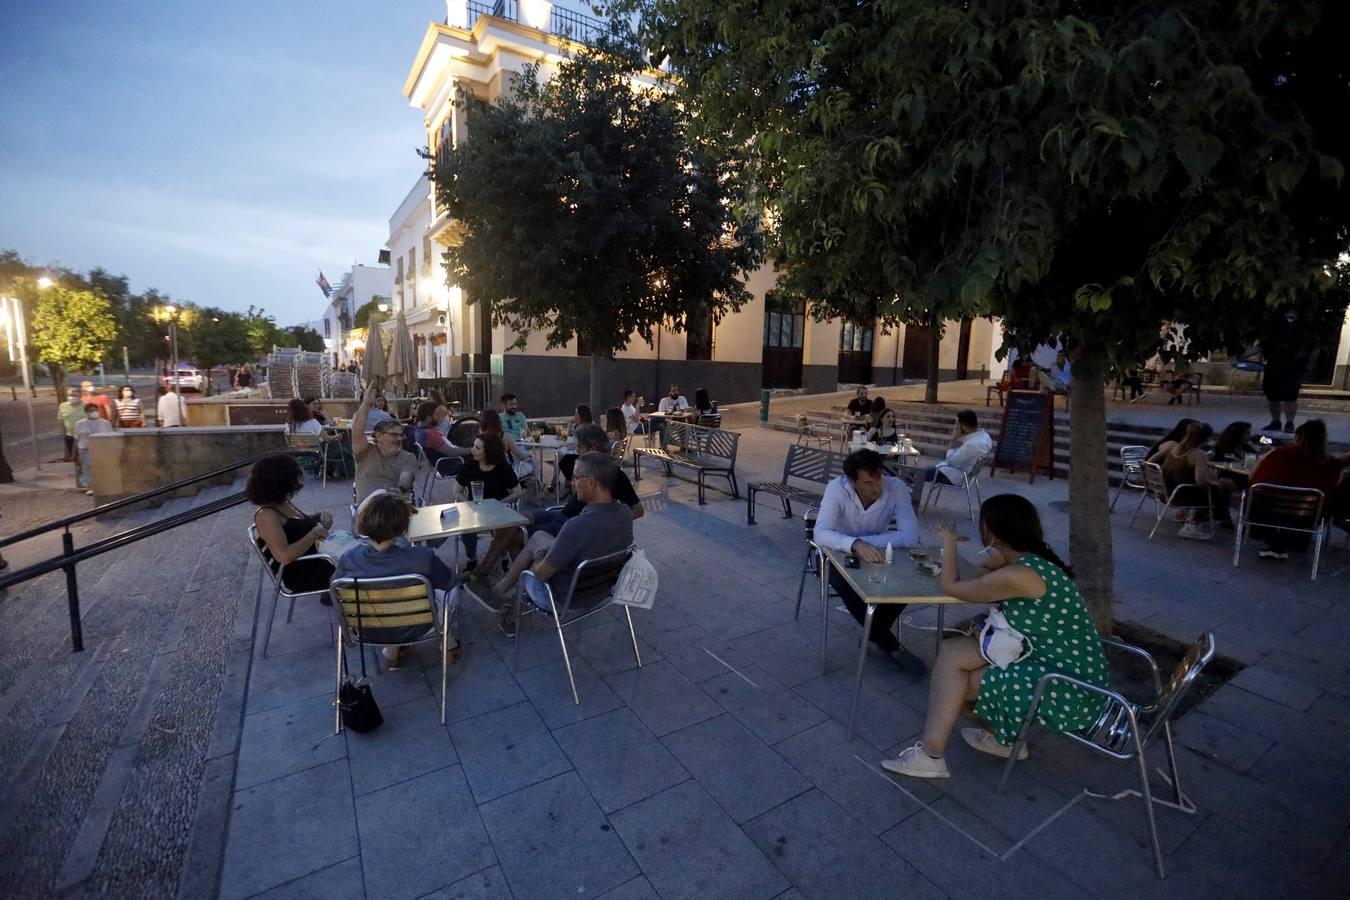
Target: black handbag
<point x="356" y="700"/>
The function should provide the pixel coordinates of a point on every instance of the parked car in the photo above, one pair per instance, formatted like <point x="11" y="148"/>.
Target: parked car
<point x="187" y="380"/>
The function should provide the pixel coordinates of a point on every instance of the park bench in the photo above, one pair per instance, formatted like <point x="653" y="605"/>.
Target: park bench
<point x="708" y="451"/>
<point x="803" y="463"/>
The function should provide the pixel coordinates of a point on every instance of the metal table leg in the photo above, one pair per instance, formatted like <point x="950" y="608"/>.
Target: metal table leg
<point x="862" y="660"/>
<point x="823" y="567"/>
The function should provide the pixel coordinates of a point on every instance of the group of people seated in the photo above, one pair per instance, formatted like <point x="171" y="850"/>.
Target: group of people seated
<point x="1193" y="467"/>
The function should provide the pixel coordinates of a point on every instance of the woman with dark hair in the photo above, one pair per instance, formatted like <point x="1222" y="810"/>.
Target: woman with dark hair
<point x="490" y="422"/>
<point x="488" y="464"/>
<point x="1186" y="464"/>
<point x="701" y="401"/>
<point x="615" y="426"/>
<point x="1177" y="433"/>
<point x="874" y="414"/>
<point x="884" y="432"/>
<point x="129" y="411"/>
<point x="1033" y="588"/>
<point x="1305" y="464"/>
<point x="1233" y="442"/>
<point x="286" y="531"/>
<point x="583" y="416"/>
<point x="299" y="420"/>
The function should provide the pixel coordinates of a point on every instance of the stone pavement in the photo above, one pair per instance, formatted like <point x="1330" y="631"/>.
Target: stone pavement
<point x="720" y="768"/>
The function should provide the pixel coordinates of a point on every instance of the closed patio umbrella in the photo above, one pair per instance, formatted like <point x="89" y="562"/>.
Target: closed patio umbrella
<point x="402" y="360"/>
<point x="373" y="369"/>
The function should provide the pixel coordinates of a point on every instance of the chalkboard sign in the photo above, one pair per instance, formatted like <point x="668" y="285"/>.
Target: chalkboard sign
<point x="259" y="414"/>
<point x="1025" y="442"/>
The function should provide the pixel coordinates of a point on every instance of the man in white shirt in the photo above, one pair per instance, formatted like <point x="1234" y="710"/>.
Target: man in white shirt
<point x="169" y="411"/>
<point x="630" y="412"/>
<point x="968" y="445"/>
<point x="1057" y="378"/>
<point x="864" y="510"/>
<point x="673" y="401"/>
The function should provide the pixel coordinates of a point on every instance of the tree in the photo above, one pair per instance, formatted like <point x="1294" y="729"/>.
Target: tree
<point x="306" y="338"/>
<point x="263" y="333"/>
<point x="72" y="330"/>
<point x="1100" y="169"/>
<point x="217" y="338"/>
<point x="590" y="211"/>
<point x="371" y="307"/>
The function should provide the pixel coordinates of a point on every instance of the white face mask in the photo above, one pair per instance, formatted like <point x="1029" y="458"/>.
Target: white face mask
<point x="91" y="415"/>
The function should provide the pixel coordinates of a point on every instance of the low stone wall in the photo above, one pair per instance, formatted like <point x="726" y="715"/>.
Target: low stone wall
<point x="222" y="411"/>
<point x="132" y="460"/>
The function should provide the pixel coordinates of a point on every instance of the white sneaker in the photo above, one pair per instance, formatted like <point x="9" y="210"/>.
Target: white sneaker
<point x="1273" y="554"/>
<point x="985" y="742"/>
<point x="917" y="764"/>
<point x="1195" y="532"/>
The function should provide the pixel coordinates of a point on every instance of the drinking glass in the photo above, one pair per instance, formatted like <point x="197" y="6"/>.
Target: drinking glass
<point x="877" y="573"/>
<point x="476" y="489"/>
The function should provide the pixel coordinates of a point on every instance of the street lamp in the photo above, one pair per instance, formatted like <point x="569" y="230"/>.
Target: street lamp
<point x="44" y="282"/>
<point x="16" y="332"/>
<point x="171" y="313"/>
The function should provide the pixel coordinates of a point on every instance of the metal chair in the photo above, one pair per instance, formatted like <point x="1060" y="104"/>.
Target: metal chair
<point x="1155" y="486"/>
<point x="444" y="469"/>
<point x="1282" y="508"/>
<point x="314" y="443"/>
<point x="388" y="607"/>
<point x="276" y="571"/>
<point x="591" y="587"/>
<point x="1125" y="729"/>
<point x="971" y="485"/>
<point x="1132" y="457"/>
<point x="812" y="564"/>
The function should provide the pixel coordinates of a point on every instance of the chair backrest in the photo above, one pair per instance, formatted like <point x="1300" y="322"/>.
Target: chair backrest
<point x="464" y="431"/>
<point x="1111" y="731"/>
<point x="619" y="449"/>
<point x="809" y="522"/>
<point x="810" y="464"/>
<point x="295" y="441"/>
<point x="1154" y="482"/>
<point x="973" y="473"/>
<point x="723" y="444"/>
<point x="269" y="562"/>
<point x="395" y="601"/>
<point x="1133" y="455"/>
<point x="593" y="581"/>
<point x="1282" y="506"/>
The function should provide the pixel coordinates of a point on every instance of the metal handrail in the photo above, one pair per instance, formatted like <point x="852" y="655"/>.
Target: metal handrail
<point x="69" y="556"/>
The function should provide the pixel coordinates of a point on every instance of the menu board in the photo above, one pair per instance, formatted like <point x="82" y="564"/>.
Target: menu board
<point x="1025" y="439"/>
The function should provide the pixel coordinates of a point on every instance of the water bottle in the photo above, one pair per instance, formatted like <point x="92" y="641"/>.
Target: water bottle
<point x="890" y="553"/>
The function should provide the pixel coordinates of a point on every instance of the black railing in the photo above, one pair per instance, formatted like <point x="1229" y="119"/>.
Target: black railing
<point x="562" y="22"/>
<point x="70" y="556"/>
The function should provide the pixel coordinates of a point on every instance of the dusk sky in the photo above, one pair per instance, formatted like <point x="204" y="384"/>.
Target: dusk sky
<point x="222" y="153"/>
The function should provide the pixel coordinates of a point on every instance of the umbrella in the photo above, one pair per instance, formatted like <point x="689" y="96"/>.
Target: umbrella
<point x="402" y="359"/>
<point x="373" y="370"/>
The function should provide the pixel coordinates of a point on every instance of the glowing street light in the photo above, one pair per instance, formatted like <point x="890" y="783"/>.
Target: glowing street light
<point x="16" y="333"/>
<point x="44" y="282"/>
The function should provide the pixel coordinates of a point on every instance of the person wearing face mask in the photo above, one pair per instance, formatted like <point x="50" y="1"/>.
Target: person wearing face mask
<point x="384" y="463"/>
<point x="288" y="533"/>
<point x="862" y="511"/>
<point x="93" y="424"/>
<point x="1034" y="589"/>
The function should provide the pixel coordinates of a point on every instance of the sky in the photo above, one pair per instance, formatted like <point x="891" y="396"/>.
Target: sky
<point x="222" y="153"/>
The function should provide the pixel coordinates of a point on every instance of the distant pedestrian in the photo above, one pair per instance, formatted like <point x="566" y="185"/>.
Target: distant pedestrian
<point x="69" y="414"/>
<point x="170" y="411"/>
<point x="243" y="378"/>
<point x="106" y="407"/>
<point x="93" y="424"/>
<point x="130" y="414"/>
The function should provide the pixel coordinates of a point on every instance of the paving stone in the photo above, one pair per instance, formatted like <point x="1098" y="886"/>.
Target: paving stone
<point x="619" y="759"/>
<point x="637" y="889"/>
<point x="1244" y="864"/>
<point x="283" y="829"/>
<point x="1284" y="690"/>
<point x="489" y="884"/>
<point x="882" y="719"/>
<point x="549" y="691"/>
<point x="608" y="647"/>
<point x="742" y="773"/>
<point x="506" y="750"/>
<point x="479" y="683"/>
<point x="1315" y="772"/>
<point x="830" y="761"/>
<point x="287" y="739"/>
<point x="687" y="847"/>
<point x="554" y="841"/>
<point x="691" y="650"/>
<point x="663" y="698"/>
<point x="420" y="834"/>
<point x="767" y="708"/>
<point x="1297" y="667"/>
<point x="338" y="882"/>
<point x="411" y="742"/>
<point x="938" y="842"/>
<point x="825" y="853"/>
<point x="1333" y="707"/>
<point x="1231" y="745"/>
<point x="281" y="680"/>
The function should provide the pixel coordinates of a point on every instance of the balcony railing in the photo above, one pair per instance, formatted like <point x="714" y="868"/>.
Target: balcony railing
<point x="562" y="22"/>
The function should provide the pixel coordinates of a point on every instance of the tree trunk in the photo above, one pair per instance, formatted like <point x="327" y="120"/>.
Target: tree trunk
<point x="1089" y="513"/>
<point x="930" y="394"/>
<point x="58" y="380"/>
<point x="597" y="394"/>
<point x="6" y="473"/>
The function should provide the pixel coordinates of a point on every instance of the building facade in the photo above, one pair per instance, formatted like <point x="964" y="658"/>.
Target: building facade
<point x="766" y="344"/>
<point x="357" y="287"/>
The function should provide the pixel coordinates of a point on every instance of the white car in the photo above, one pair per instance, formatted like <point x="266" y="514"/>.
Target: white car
<point x="187" y="380"/>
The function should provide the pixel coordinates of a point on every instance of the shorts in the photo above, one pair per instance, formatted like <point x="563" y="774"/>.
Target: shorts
<point x="1281" y="384"/>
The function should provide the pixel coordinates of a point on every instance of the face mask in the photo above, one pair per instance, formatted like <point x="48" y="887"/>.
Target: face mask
<point x="92" y="415"/>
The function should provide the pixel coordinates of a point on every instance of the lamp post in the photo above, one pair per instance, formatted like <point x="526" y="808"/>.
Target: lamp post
<point x="171" y="313"/>
<point x="16" y="332"/>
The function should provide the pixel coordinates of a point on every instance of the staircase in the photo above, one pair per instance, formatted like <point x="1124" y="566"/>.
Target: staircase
<point x="105" y="754"/>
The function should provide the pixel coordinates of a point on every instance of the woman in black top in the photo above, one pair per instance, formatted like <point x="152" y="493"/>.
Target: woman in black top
<point x="488" y="464"/>
<point x="884" y="432"/>
<point x="701" y="401"/>
<point x="287" y="533"/>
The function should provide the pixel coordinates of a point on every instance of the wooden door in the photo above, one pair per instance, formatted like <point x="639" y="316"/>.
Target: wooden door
<point x="963" y="350"/>
<point x="915" y="363"/>
<point x="784" y="337"/>
<point x="855" y="352"/>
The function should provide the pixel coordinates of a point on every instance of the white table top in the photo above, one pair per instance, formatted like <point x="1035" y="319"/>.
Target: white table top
<point x="891" y="449"/>
<point x="466" y="517"/>
<point x="905" y="582"/>
<point x="547" y="442"/>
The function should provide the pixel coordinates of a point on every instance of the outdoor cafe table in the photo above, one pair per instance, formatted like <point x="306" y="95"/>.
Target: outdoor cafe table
<point x="447" y="520"/>
<point x="904" y="583"/>
<point x="543" y="445"/>
<point x="893" y="453"/>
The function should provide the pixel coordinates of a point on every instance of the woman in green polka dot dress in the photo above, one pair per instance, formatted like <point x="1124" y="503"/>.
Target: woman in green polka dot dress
<point x="1025" y="578"/>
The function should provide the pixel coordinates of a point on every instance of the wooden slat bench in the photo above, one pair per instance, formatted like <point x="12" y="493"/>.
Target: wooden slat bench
<point x="708" y="451"/>
<point x="810" y="464"/>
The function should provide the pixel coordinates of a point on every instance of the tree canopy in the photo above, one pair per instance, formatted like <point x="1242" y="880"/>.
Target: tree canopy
<point x="591" y="210"/>
<point x="71" y="330"/>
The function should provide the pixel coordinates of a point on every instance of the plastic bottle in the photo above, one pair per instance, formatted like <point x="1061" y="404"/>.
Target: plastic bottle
<point x="890" y="553"/>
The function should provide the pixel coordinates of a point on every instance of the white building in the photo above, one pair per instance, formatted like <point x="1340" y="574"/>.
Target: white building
<point x="434" y="312"/>
<point x="358" y="286"/>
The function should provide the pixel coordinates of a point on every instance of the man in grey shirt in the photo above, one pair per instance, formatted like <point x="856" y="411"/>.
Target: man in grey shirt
<point x="603" y="526"/>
